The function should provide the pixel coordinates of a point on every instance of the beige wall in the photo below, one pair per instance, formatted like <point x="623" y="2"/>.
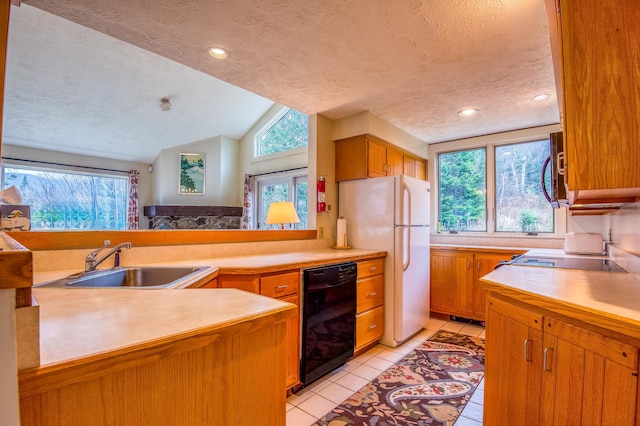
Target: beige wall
<point x="625" y="228"/>
<point x="221" y="165"/>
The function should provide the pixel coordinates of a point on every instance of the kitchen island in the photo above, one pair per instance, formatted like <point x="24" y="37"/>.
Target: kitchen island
<point x="561" y="346"/>
<point x="162" y="357"/>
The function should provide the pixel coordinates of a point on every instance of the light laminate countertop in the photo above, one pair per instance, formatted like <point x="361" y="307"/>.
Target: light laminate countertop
<point x="81" y="323"/>
<point x="607" y="299"/>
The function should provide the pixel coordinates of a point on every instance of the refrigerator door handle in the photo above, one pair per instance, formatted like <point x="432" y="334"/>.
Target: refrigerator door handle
<point x="405" y="264"/>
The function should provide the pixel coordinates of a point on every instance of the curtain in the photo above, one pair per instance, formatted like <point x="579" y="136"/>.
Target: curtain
<point x="248" y="202"/>
<point x="132" y="204"/>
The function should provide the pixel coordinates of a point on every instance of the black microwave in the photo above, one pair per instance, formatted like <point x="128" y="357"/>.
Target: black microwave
<point x="557" y="194"/>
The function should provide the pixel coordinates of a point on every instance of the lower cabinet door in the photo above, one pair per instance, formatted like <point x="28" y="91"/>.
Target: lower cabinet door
<point x="588" y="379"/>
<point x="513" y="365"/>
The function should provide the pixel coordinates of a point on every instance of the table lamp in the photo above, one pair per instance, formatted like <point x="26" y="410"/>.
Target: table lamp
<point x="282" y="212"/>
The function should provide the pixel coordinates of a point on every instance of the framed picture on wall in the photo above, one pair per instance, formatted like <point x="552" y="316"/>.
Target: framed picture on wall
<point x="191" y="174"/>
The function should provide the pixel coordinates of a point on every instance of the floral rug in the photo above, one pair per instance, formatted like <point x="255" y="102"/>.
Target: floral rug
<point x="429" y="386"/>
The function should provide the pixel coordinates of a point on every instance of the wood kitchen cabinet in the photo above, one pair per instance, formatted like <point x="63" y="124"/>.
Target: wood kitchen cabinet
<point x="370" y="302"/>
<point x="455" y="279"/>
<point x="285" y="286"/>
<point x="366" y="156"/>
<point x="596" y="56"/>
<point x="452" y="282"/>
<point x="550" y="371"/>
<point x="281" y="285"/>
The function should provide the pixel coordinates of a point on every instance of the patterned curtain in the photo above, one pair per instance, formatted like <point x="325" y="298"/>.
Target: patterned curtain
<point x="132" y="205"/>
<point x="249" y="198"/>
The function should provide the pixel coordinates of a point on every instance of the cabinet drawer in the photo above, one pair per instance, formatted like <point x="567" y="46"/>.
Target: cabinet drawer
<point x="279" y="285"/>
<point x="367" y="268"/>
<point x="369" y="327"/>
<point x="370" y="293"/>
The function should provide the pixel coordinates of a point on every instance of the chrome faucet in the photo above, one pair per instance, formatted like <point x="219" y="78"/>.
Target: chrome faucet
<point x="92" y="261"/>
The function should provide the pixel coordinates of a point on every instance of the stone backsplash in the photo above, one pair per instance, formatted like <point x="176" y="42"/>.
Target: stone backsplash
<point x="193" y="217"/>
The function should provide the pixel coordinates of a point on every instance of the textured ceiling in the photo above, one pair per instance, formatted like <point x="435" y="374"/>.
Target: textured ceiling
<point x="413" y="63"/>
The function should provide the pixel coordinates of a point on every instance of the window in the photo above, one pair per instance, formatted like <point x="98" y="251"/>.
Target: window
<point x="283" y="188"/>
<point x="501" y="179"/>
<point x="463" y="195"/>
<point x="520" y="205"/>
<point x="68" y="200"/>
<point x="287" y="131"/>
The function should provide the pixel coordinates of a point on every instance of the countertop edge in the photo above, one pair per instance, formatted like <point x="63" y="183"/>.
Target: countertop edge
<point x="40" y="379"/>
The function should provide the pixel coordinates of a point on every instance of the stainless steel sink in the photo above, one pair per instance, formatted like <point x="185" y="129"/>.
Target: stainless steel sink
<point x="129" y="277"/>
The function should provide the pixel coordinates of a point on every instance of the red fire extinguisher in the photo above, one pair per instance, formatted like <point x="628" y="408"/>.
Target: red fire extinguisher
<point x="322" y="200"/>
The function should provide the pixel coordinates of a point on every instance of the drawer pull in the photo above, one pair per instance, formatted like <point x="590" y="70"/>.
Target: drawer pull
<point x="527" y="353"/>
<point x="281" y="287"/>
<point x="546" y="363"/>
<point x="373" y="326"/>
<point x="373" y="268"/>
<point x="373" y="293"/>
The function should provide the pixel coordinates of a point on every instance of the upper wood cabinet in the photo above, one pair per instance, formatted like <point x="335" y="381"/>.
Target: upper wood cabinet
<point x="596" y="48"/>
<point x="366" y="156"/>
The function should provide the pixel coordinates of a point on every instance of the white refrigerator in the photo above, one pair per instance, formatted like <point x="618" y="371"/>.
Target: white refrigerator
<point x="392" y="214"/>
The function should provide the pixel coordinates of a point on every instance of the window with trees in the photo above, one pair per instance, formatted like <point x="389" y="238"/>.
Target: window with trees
<point x="70" y="200"/>
<point x="520" y="205"/>
<point x="463" y="195"/>
<point x="502" y="179"/>
<point x="283" y="188"/>
<point x="287" y="131"/>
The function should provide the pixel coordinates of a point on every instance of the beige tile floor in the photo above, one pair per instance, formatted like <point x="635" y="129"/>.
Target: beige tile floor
<point x="310" y="404"/>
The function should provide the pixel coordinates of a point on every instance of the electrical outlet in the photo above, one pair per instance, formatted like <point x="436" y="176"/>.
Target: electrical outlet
<point x="321" y="232"/>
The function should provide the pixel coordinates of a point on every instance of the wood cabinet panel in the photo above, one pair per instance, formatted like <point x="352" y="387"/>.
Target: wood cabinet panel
<point x="293" y="344"/>
<point x="370" y="293"/>
<point x="455" y="279"/>
<point x="369" y="327"/>
<point x="365" y="156"/>
<point x="563" y="373"/>
<point x="452" y="283"/>
<point x="513" y="365"/>
<point x="280" y="284"/>
<point x="595" y="49"/>
<point x="376" y="159"/>
<point x="247" y="282"/>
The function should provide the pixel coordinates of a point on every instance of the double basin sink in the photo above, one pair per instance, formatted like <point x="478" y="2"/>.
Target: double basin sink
<point x="130" y="277"/>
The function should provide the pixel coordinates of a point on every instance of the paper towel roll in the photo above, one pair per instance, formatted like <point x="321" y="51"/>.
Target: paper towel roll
<point x="341" y="240"/>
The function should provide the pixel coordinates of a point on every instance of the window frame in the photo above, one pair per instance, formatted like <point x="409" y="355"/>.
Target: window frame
<point x="276" y="116"/>
<point x="490" y="142"/>
<point x="290" y="178"/>
<point x="72" y="170"/>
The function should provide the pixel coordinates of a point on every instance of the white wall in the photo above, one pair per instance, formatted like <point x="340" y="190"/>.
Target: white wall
<point x="221" y="186"/>
<point x="34" y="154"/>
<point x="625" y="228"/>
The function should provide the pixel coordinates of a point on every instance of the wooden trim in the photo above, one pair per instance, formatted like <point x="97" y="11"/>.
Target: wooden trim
<point x="67" y="240"/>
<point x="34" y="381"/>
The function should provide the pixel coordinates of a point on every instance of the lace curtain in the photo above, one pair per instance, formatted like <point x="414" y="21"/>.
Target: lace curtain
<point x="132" y="205"/>
<point x="249" y="199"/>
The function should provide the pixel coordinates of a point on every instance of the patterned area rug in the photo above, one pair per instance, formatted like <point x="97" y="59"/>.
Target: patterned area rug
<point x="429" y="386"/>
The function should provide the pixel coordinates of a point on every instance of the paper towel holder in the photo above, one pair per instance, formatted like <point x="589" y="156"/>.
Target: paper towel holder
<point x="344" y="247"/>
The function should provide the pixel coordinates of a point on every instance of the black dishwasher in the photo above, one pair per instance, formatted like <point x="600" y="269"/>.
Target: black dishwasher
<point x="328" y="319"/>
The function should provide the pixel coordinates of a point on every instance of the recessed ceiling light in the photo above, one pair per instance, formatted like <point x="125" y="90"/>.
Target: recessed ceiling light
<point x="541" y="97"/>
<point x="467" y="112"/>
<point x="218" y="52"/>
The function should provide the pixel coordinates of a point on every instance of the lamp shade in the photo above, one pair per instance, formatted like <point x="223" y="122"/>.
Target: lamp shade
<point x="282" y="212"/>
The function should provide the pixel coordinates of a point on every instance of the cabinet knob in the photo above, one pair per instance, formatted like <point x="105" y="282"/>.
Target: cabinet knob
<point x="373" y="293"/>
<point x="373" y="326"/>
